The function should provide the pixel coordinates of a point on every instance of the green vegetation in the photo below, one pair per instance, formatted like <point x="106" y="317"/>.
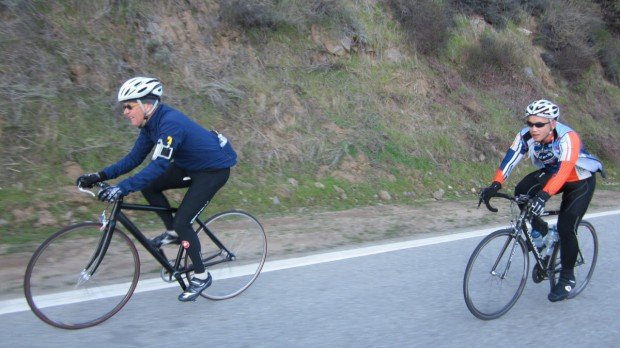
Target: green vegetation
<point x="328" y="102"/>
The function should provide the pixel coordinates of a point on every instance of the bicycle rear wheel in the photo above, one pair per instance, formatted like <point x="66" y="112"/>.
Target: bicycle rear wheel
<point x="57" y="286"/>
<point x="237" y="264"/>
<point x="495" y="275"/>
<point x="586" y="259"/>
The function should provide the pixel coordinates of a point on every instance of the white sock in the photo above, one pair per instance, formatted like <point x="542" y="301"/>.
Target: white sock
<point x="202" y="276"/>
<point x="172" y="233"/>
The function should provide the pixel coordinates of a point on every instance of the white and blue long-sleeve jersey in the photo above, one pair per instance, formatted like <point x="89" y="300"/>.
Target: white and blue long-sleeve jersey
<point x="565" y="157"/>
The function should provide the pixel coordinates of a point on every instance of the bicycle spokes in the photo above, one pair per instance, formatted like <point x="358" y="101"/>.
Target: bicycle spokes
<point x="64" y="293"/>
<point x="234" y="248"/>
<point x="489" y="295"/>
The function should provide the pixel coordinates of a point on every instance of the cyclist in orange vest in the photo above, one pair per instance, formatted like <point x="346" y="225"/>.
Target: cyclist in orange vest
<point x="564" y="166"/>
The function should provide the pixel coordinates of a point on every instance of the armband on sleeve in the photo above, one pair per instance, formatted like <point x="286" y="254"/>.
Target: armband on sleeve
<point x="161" y="150"/>
<point x="221" y="138"/>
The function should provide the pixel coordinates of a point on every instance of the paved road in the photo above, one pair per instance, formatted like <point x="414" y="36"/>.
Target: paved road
<point x="407" y="297"/>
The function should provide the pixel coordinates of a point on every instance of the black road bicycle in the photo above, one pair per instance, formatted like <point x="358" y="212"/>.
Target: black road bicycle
<point x="85" y="273"/>
<point x="498" y="268"/>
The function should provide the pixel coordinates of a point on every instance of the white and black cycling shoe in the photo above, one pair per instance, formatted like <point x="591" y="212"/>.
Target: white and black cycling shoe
<point x="164" y="239"/>
<point x="562" y="289"/>
<point x="196" y="286"/>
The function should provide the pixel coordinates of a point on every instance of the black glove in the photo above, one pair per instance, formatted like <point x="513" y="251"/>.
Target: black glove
<point x="90" y="179"/>
<point x="536" y="205"/>
<point x="488" y="192"/>
<point x="110" y="194"/>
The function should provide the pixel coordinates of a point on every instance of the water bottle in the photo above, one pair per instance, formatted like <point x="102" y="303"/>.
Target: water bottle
<point x="537" y="237"/>
<point x="550" y="239"/>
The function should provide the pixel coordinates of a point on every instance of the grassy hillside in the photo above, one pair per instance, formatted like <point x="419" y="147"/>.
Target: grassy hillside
<point x="328" y="103"/>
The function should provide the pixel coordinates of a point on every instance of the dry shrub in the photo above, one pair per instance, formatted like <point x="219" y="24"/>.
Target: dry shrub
<point x="336" y="16"/>
<point x="574" y="59"/>
<point x="320" y="10"/>
<point x="250" y="13"/>
<point x="611" y="13"/>
<point x="332" y="15"/>
<point x="494" y="60"/>
<point x="496" y="12"/>
<point x="568" y="29"/>
<point x="609" y="56"/>
<point x="272" y="14"/>
<point x="535" y="7"/>
<point x="427" y="23"/>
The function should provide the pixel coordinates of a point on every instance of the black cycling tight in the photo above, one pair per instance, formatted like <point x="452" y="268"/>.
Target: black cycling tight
<point x="576" y="197"/>
<point x="202" y="187"/>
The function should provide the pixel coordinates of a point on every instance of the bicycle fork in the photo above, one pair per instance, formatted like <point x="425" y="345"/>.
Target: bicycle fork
<point x="95" y="260"/>
<point x="508" y="262"/>
<point x="102" y="247"/>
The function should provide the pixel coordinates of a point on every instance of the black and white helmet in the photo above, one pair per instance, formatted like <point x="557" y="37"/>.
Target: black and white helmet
<point x="543" y="108"/>
<point x="140" y="87"/>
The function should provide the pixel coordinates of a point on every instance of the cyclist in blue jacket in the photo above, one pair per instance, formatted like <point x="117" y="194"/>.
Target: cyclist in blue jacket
<point x="182" y="149"/>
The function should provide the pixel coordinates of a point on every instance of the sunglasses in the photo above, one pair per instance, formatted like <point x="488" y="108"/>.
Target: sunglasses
<point x="129" y="106"/>
<point x="537" y="124"/>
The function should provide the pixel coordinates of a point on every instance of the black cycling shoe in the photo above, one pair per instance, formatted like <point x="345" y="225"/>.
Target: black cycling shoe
<point x="196" y="286"/>
<point x="562" y="289"/>
<point x="165" y="238"/>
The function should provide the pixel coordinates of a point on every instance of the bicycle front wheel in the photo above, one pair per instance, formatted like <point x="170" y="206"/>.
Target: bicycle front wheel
<point x="586" y="258"/>
<point x="62" y="287"/>
<point x="495" y="275"/>
<point x="233" y="249"/>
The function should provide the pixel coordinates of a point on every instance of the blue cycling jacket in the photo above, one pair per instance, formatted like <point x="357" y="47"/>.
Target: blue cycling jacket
<point x="185" y="142"/>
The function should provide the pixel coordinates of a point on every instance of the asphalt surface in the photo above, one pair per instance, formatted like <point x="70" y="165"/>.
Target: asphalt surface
<point x="386" y="296"/>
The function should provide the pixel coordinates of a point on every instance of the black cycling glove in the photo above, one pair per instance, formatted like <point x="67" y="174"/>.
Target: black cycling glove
<point x="110" y="194"/>
<point x="536" y="205"/>
<point x="488" y="192"/>
<point x="90" y="179"/>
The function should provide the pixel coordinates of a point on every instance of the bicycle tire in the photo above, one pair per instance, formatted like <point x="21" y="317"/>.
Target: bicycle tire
<point x="586" y="259"/>
<point x="483" y="289"/>
<point x="59" y="294"/>
<point x="244" y="236"/>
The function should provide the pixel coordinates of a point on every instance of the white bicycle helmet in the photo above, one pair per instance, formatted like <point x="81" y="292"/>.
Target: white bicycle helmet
<point x="140" y="87"/>
<point x="543" y="108"/>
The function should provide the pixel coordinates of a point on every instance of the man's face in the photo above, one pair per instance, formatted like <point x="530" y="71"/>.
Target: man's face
<point x="134" y="113"/>
<point x="540" y="127"/>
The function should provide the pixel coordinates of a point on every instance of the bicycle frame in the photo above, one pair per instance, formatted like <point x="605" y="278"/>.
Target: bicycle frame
<point x="175" y="270"/>
<point x="521" y="222"/>
<point x="519" y="227"/>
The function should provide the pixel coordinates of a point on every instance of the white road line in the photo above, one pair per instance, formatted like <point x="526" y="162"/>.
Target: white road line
<point x="19" y="305"/>
<point x="377" y="249"/>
